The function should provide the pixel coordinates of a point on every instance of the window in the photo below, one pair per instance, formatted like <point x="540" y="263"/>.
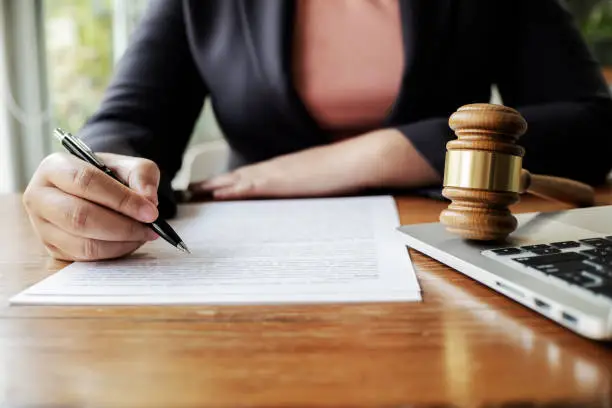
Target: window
<point x="56" y="60"/>
<point x="83" y="40"/>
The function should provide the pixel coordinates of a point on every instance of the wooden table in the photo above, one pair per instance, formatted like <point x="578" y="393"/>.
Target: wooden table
<point x="464" y="345"/>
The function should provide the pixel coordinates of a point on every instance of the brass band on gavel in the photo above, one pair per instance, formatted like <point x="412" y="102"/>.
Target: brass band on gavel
<point x="483" y="170"/>
<point x="483" y="174"/>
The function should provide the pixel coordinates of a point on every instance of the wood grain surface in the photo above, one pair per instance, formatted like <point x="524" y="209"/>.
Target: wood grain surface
<point x="463" y="346"/>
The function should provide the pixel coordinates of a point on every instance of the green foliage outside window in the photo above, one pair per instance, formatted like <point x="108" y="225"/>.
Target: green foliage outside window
<point x="595" y="20"/>
<point x="79" y="57"/>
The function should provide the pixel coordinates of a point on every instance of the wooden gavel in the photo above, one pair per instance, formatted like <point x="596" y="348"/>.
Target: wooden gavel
<point x="483" y="174"/>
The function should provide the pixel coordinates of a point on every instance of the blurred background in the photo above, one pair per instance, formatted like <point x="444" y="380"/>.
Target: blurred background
<point x="57" y="56"/>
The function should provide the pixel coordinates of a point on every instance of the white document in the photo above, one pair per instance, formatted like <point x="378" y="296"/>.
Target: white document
<point x="247" y="252"/>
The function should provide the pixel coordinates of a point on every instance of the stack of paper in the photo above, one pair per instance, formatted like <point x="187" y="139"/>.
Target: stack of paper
<point x="306" y="250"/>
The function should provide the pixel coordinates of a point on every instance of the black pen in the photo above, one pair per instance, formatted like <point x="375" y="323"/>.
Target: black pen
<point x="75" y="146"/>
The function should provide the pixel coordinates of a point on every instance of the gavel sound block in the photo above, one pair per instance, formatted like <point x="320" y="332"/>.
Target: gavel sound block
<point x="484" y="175"/>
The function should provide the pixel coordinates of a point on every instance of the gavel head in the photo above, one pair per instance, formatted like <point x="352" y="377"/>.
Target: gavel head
<point x="482" y="172"/>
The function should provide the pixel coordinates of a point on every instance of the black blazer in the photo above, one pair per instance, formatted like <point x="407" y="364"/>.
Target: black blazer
<point x="238" y="52"/>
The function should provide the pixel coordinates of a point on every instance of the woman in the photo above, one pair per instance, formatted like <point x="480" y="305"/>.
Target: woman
<point x="319" y="97"/>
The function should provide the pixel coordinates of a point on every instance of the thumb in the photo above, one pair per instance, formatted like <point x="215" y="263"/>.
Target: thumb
<point x="141" y="175"/>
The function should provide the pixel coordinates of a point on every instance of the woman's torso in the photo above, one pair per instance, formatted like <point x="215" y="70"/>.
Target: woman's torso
<point x="253" y="59"/>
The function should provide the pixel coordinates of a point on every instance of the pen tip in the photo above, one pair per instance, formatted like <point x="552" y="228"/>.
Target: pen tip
<point x="181" y="245"/>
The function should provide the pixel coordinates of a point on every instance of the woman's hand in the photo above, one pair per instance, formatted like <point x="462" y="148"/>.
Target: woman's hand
<point x="81" y="214"/>
<point x="313" y="172"/>
<point x="374" y="160"/>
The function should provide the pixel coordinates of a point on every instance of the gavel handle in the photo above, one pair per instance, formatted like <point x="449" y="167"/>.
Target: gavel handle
<point x="558" y="188"/>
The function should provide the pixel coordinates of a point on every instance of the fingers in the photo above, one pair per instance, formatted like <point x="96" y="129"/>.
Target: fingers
<point x="85" y="219"/>
<point x="80" y="213"/>
<point x="141" y="174"/>
<point x="80" y="179"/>
<point x="67" y="247"/>
<point x="240" y="190"/>
<point x="236" y="185"/>
<point x="215" y="183"/>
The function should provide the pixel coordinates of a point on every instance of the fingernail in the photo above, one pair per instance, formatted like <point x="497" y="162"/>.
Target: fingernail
<point x="147" y="213"/>
<point x="151" y="194"/>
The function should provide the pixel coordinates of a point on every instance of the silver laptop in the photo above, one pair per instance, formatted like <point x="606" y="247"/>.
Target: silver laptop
<point x="556" y="263"/>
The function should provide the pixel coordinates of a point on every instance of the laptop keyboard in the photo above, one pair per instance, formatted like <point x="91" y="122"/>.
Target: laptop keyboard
<point x="584" y="264"/>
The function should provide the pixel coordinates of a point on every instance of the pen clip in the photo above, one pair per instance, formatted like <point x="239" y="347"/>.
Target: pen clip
<point x="77" y="147"/>
<point x="87" y="151"/>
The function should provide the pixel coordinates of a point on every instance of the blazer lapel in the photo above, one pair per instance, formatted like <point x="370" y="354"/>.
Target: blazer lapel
<point x="269" y="26"/>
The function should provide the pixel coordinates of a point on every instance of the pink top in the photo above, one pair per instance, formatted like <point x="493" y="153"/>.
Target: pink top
<point x="348" y="61"/>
